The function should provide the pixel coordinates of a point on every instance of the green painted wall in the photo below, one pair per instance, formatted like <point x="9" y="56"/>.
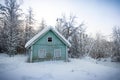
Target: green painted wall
<point x="42" y="43"/>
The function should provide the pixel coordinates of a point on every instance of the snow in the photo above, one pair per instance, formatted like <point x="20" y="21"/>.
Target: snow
<point x="31" y="41"/>
<point x="16" y="68"/>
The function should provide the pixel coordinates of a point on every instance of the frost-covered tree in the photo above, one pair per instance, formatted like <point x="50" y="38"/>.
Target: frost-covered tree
<point x="79" y="43"/>
<point x="3" y="36"/>
<point x="42" y="25"/>
<point x="67" y="26"/>
<point x="90" y="42"/>
<point x="10" y="13"/>
<point x="29" y="30"/>
<point x="74" y="33"/>
<point x="116" y="42"/>
<point x="101" y="47"/>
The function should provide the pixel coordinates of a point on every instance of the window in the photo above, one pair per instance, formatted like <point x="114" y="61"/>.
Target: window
<point x="57" y="53"/>
<point x="49" y="39"/>
<point x="42" y="53"/>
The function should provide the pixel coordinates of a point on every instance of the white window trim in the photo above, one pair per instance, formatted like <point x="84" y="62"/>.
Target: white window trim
<point x="44" y="53"/>
<point x="55" y="53"/>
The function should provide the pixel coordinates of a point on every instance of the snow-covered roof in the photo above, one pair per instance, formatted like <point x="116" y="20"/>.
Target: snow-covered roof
<point x="45" y="30"/>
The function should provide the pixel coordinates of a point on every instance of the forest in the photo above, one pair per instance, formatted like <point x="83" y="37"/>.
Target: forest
<point x="17" y="27"/>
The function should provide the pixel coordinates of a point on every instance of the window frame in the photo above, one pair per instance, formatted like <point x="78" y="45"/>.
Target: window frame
<point x="49" y="39"/>
<point x="42" y="54"/>
<point x="57" y="53"/>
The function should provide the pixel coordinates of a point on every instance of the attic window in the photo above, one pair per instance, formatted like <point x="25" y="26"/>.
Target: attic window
<point x="49" y="39"/>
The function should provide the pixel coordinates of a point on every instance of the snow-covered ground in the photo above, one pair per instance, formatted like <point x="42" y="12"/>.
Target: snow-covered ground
<point x="16" y="68"/>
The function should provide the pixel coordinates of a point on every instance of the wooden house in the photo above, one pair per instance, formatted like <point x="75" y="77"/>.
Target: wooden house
<point x="48" y="44"/>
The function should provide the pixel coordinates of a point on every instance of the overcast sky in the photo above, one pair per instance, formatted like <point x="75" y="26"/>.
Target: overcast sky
<point x="97" y="15"/>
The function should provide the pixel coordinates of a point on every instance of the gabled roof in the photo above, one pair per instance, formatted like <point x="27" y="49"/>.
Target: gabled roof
<point x="45" y="30"/>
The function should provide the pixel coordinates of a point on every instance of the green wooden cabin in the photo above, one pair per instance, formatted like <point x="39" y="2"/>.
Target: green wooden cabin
<point x="48" y="44"/>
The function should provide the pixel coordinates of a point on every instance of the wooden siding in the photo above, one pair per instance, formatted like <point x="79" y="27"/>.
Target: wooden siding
<point x="43" y="43"/>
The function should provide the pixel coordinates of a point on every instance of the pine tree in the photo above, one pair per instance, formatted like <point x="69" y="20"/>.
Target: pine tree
<point x="29" y="30"/>
<point x="42" y="25"/>
<point x="10" y="13"/>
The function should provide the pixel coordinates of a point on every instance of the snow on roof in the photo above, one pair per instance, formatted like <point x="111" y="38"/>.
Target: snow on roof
<point x="33" y="40"/>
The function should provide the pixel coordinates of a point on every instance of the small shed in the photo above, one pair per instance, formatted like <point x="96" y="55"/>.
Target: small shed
<point x="48" y="44"/>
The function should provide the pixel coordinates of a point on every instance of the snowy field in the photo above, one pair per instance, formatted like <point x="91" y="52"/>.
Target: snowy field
<point x="16" y="68"/>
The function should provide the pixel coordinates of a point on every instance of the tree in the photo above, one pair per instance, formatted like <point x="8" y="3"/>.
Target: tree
<point x="42" y="25"/>
<point x="10" y="14"/>
<point x="79" y="43"/>
<point x="29" y="30"/>
<point x="3" y="36"/>
<point x="67" y="26"/>
<point x="116" y="42"/>
<point x="74" y="33"/>
<point x="101" y="47"/>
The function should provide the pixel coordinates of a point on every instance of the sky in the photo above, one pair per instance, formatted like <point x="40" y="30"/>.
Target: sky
<point x="98" y="15"/>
